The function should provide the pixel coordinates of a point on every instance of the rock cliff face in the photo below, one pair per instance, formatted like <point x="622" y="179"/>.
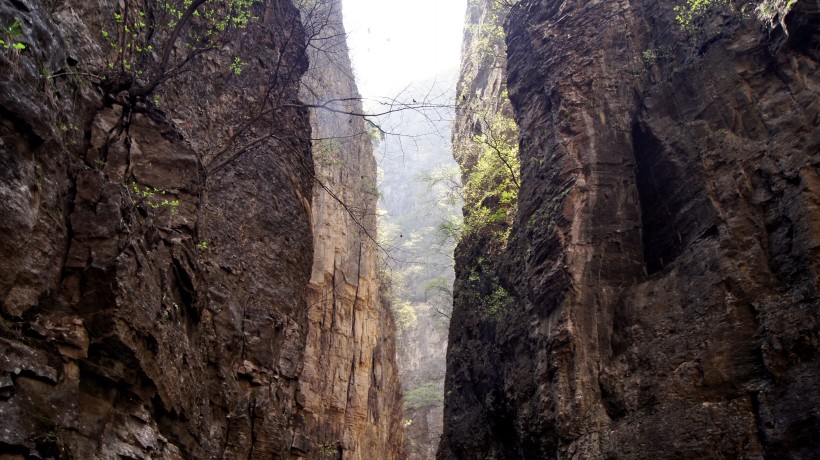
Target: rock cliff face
<point x="663" y="265"/>
<point x="351" y="383"/>
<point x="422" y="359"/>
<point x="157" y="243"/>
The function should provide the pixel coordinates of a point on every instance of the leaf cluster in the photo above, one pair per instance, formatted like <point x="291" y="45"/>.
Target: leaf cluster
<point x="770" y="12"/>
<point x="11" y="35"/>
<point x="427" y="394"/>
<point x="491" y="189"/>
<point x="152" y="197"/>
<point x="153" y="40"/>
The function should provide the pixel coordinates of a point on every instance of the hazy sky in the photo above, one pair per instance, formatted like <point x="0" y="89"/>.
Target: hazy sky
<point x="395" y="42"/>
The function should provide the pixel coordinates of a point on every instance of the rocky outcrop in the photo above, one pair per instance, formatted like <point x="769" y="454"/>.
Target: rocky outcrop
<point x="481" y="300"/>
<point x="663" y="264"/>
<point x="157" y="240"/>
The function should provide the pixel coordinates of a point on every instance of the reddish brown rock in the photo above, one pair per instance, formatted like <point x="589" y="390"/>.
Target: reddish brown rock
<point x="154" y="275"/>
<point x="664" y="260"/>
<point x="350" y="387"/>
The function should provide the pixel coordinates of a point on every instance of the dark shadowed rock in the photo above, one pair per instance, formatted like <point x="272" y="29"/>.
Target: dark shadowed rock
<point x="664" y="259"/>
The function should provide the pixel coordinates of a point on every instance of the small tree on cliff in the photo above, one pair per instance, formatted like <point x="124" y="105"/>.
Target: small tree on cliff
<point x="153" y="42"/>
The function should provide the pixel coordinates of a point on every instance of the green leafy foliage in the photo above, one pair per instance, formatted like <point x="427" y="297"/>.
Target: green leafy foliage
<point x="488" y="38"/>
<point x="405" y="315"/>
<point x="490" y="158"/>
<point x="450" y="228"/>
<point x="154" y="39"/>
<point x="687" y="13"/>
<point x="153" y="198"/>
<point x="771" y="12"/>
<point x="328" y="451"/>
<point x="491" y="190"/>
<point x="236" y="65"/>
<point x="11" y="35"/>
<point x="498" y="302"/>
<point x="425" y="395"/>
<point x="490" y="298"/>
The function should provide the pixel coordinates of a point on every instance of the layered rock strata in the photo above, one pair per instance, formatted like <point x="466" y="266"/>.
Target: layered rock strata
<point x="664" y="259"/>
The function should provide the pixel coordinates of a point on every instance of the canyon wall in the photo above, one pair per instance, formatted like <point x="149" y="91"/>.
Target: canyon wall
<point x="662" y="267"/>
<point x="351" y="382"/>
<point x="158" y="217"/>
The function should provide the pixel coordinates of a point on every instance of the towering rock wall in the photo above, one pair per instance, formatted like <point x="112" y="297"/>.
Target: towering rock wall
<point x="350" y="383"/>
<point x="157" y="241"/>
<point x="664" y="259"/>
<point x="481" y="298"/>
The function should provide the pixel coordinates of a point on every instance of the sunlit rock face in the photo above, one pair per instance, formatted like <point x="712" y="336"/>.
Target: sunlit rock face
<point x="351" y="386"/>
<point x="157" y="249"/>
<point x="664" y="260"/>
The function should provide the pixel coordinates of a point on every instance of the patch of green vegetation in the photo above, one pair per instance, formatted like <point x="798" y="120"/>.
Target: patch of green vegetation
<point x="328" y="450"/>
<point x="687" y="13"/>
<point x="496" y="303"/>
<point x="449" y="229"/>
<point x="491" y="191"/>
<point x="68" y="127"/>
<point x="428" y="394"/>
<point x="649" y="56"/>
<point x="139" y="29"/>
<point x="490" y="158"/>
<point x="405" y="315"/>
<point x="152" y="197"/>
<point x="11" y="35"/>
<point x="236" y="65"/>
<point x="487" y="294"/>
<point x="768" y="11"/>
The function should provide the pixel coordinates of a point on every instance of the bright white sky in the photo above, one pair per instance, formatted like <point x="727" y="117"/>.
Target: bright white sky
<point x="396" y="42"/>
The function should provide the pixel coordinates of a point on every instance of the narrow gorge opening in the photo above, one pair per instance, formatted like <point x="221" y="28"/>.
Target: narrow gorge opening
<point x="217" y="243"/>
<point x="406" y="61"/>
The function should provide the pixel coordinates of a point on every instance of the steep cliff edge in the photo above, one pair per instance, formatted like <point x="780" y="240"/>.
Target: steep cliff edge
<point x="157" y="238"/>
<point x="663" y="264"/>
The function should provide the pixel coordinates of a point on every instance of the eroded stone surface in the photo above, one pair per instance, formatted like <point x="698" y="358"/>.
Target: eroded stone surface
<point x="350" y="388"/>
<point x="664" y="261"/>
<point x="154" y="276"/>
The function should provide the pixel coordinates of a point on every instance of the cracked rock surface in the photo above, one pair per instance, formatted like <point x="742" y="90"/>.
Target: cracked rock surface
<point x="664" y="261"/>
